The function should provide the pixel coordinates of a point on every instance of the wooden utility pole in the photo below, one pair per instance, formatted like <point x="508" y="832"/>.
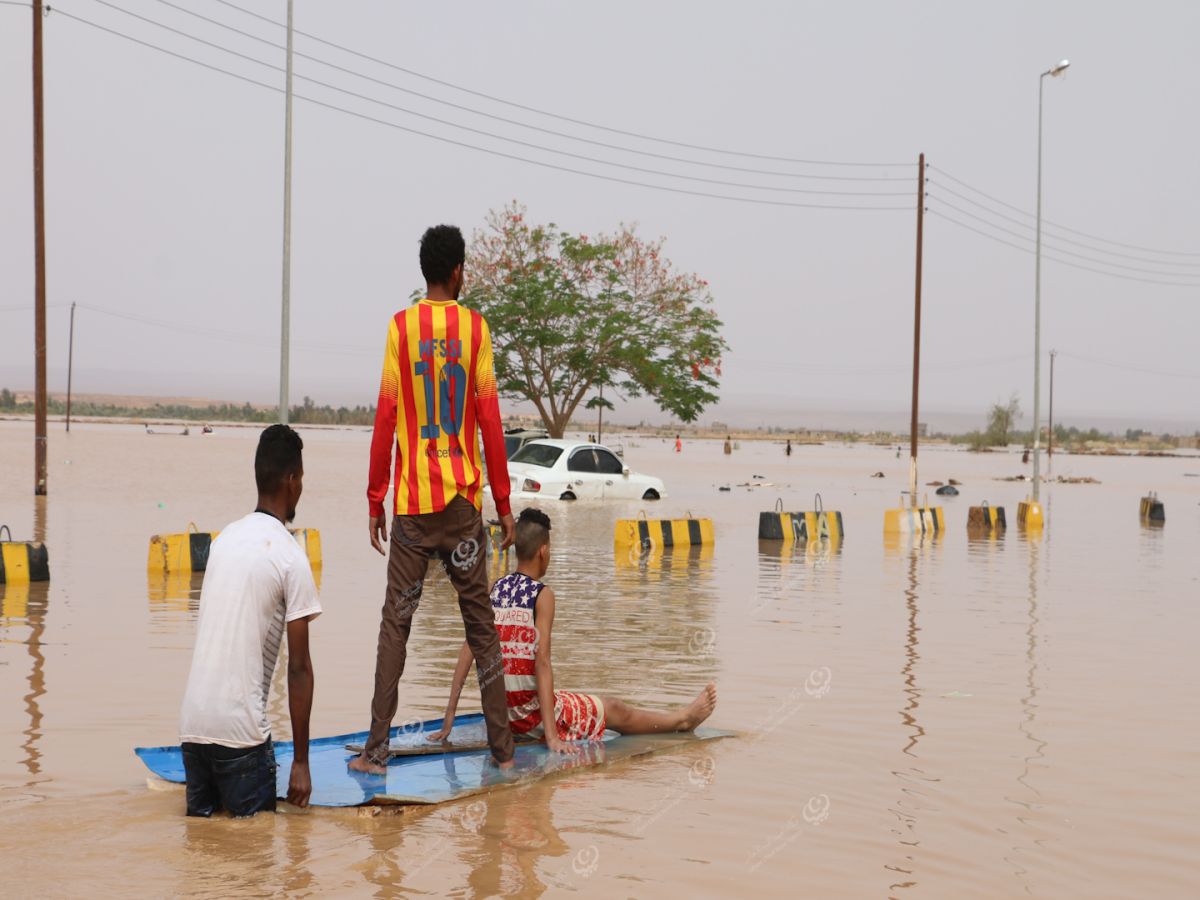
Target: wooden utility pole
<point x="70" y="364"/>
<point x="916" y="378"/>
<point x="39" y="262"/>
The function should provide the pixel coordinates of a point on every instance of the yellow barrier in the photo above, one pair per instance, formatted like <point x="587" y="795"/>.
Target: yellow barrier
<point x="22" y="561"/>
<point x="1029" y="515"/>
<point x="1152" y="510"/>
<point x="800" y="527"/>
<point x="986" y="518"/>
<point x="917" y="520"/>
<point x="662" y="533"/>
<point x="188" y="552"/>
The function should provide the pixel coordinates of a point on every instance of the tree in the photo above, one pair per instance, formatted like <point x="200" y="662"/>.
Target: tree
<point x="568" y="313"/>
<point x="1001" y="421"/>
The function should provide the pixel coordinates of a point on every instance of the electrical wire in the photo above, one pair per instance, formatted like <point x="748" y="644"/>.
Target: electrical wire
<point x="1061" y="262"/>
<point x="542" y="112"/>
<point x="1060" y="238"/>
<point x="1023" y="237"/>
<point x="1046" y="223"/>
<point x="494" y="135"/>
<point x="1126" y="366"/>
<point x="479" y="112"/>
<point x="493" y="152"/>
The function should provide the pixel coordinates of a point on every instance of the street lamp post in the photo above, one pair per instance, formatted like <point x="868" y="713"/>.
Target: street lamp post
<point x="1054" y="72"/>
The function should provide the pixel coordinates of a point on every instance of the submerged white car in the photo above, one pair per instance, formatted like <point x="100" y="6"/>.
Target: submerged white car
<point x="573" y="470"/>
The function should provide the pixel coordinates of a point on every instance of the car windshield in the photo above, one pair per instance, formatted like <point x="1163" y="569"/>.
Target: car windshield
<point x="538" y="455"/>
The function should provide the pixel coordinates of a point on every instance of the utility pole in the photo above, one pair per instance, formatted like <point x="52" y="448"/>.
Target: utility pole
<point x="1050" y="440"/>
<point x="39" y="262"/>
<point x="286" y="323"/>
<point x="70" y="364"/>
<point x="600" y="410"/>
<point x="916" y="381"/>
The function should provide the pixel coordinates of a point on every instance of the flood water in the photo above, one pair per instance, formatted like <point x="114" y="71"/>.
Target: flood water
<point x="951" y="718"/>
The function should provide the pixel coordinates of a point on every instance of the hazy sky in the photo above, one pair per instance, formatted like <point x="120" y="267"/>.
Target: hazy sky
<point x="164" y="186"/>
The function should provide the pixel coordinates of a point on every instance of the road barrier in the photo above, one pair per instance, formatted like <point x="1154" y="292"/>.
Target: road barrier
<point x="986" y="518"/>
<point x="188" y="552"/>
<point x="662" y="533"/>
<point x="918" y="520"/>
<point x="22" y="561"/>
<point x="800" y="527"/>
<point x="1152" y="510"/>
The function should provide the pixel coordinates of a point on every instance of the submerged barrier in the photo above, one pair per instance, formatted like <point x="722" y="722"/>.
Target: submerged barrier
<point x="800" y="527"/>
<point x="1029" y="514"/>
<point x="1152" y="510"/>
<point x="986" y="518"/>
<point x="918" y="520"/>
<point x="188" y="552"/>
<point x="22" y="561"/>
<point x="661" y="533"/>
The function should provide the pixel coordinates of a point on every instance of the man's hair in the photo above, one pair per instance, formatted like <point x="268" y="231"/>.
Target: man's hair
<point x="442" y="248"/>
<point x="278" y="456"/>
<point x="533" y="533"/>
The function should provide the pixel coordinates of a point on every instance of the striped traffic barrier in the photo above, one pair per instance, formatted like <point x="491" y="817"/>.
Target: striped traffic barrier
<point x="800" y="527"/>
<point x="22" y="561"/>
<point x="1030" y="515"/>
<point x="1152" y="510"/>
<point x="915" y="520"/>
<point x="188" y="552"/>
<point x="986" y="518"/>
<point x="662" y="533"/>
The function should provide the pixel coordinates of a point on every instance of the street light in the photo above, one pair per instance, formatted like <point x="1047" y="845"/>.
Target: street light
<point x="1054" y="71"/>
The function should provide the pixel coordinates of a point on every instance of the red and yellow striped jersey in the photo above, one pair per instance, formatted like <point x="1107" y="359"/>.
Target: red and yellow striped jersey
<point x="437" y="394"/>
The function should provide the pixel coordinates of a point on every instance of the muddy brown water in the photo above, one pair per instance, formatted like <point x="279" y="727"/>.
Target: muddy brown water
<point x="951" y="718"/>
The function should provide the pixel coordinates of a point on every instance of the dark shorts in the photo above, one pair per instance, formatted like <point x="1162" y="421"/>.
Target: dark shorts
<point x="240" y="780"/>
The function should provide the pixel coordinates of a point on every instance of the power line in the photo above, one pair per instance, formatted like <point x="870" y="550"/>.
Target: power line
<point x="479" y="112"/>
<point x="1061" y="262"/>
<point x="494" y="135"/>
<point x="1045" y="222"/>
<point x="1055" y="237"/>
<point x="542" y="112"/>
<point x="1102" y="262"/>
<point x="1127" y="367"/>
<point x="498" y="153"/>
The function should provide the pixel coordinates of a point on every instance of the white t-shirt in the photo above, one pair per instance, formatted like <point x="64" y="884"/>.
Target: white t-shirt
<point x="257" y="580"/>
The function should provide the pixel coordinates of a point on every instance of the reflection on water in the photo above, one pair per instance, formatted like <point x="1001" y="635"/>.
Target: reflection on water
<point x="23" y="610"/>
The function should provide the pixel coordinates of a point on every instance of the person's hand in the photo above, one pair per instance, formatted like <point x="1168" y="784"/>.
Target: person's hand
<point x="299" y="785"/>
<point x="556" y="745"/>
<point x="436" y="737"/>
<point x="379" y="534"/>
<point x="510" y="531"/>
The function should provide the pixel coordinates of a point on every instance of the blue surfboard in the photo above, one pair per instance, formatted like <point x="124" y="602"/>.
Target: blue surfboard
<point x="437" y="776"/>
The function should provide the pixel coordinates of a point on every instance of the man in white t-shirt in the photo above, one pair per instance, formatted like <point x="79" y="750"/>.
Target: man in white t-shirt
<point x="257" y="585"/>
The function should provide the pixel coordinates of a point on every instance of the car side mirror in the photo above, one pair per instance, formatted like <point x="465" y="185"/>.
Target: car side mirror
<point x="625" y="471"/>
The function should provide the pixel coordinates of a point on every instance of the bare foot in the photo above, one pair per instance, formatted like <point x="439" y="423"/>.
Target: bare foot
<point x="699" y="709"/>
<point x="360" y="763"/>
<point x="504" y="765"/>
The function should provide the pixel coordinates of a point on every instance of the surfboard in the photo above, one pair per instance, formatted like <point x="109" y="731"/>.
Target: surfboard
<point x="438" y="777"/>
<point x="414" y="741"/>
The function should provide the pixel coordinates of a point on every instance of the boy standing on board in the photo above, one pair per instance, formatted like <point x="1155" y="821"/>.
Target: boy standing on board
<point x="437" y="394"/>
<point x="257" y="585"/>
<point x="524" y="608"/>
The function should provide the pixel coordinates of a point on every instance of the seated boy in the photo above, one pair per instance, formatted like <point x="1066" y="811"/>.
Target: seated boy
<point x="524" y="609"/>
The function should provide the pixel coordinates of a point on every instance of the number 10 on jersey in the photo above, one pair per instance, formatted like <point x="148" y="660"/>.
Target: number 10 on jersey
<point x="451" y="391"/>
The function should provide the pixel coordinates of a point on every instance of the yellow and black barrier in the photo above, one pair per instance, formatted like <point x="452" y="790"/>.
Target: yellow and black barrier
<point x="1030" y="515"/>
<point x="188" y="552"/>
<point x="662" y="533"/>
<point x="915" y="520"/>
<point x="986" y="518"/>
<point x="1152" y="509"/>
<point x="22" y="561"/>
<point x="800" y="527"/>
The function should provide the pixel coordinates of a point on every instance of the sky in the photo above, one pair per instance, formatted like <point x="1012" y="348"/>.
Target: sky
<point x="164" y="190"/>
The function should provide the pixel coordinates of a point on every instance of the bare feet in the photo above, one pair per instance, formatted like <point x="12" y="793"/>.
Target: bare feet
<point x="699" y="709"/>
<point x="504" y="765"/>
<point x="360" y="763"/>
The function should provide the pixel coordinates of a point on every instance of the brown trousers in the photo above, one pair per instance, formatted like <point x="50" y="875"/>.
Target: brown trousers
<point x="455" y="535"/>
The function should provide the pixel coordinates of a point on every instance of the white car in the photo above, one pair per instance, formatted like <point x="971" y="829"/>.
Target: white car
<point x="574" y="470"/>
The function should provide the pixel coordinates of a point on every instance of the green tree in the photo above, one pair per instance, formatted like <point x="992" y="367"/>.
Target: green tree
<point x="1001" y="419"/>
<point x="568" y="312"/>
